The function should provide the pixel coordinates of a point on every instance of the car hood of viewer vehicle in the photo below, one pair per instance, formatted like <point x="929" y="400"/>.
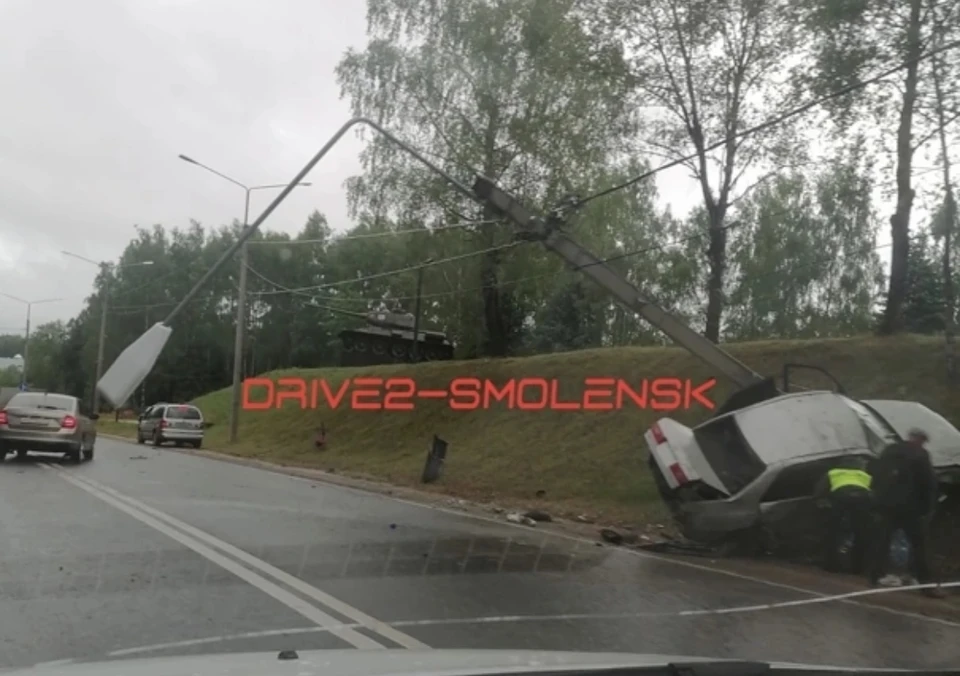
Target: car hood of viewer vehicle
<point x="388" y="662"/>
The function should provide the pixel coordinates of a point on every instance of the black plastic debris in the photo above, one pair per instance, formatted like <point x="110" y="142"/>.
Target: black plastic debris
<point x="288" y="655"/>
<point x="435" y="458"/>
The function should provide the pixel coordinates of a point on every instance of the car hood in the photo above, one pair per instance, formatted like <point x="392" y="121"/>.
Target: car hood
<point x="352" y="662"/>
<point x="944" y="444"/>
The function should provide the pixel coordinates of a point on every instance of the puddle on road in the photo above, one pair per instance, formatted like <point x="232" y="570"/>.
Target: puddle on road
<point x="59" y="575"/>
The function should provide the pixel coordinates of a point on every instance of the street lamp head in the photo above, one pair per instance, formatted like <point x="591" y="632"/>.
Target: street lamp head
<point x="187" y="159"/>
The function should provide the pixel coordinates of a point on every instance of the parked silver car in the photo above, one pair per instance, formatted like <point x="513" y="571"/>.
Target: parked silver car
<point x="749" y="475"/>
<point x="182" y="424"/>
<point x="48" y="423"/>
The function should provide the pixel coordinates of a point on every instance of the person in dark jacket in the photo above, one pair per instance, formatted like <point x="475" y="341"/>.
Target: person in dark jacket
<point x="905" y="494"/>
<point x="845" y="494"/>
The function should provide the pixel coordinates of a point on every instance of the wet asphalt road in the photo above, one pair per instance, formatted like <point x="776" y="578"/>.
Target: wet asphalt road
<point x="148" y="552"/>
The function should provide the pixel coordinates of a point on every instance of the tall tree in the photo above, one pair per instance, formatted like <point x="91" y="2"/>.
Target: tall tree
<point x="517" y="91"/>
<point x="853" y="40"/>
<point x="706" y="71"/>
<point x="943" y="71"/>
<point x="923" y="308"/>
<point x="806" y="260"/>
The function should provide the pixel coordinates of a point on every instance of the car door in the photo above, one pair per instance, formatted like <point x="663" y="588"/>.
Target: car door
<point x="156" y="417"/>
<point x="788" y="511"/>
<point x="87" y="426"/>
<point x="146" y="424"/>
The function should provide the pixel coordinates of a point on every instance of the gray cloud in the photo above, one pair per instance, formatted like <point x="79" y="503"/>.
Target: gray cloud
<point x="102" y="95"/>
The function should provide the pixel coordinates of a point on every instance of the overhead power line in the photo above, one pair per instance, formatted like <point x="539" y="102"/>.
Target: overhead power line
<point x="389" y="273"/>
<point x="380" y="235"/>
<point x="816" y="263"/>
<point x="612" y="257"/>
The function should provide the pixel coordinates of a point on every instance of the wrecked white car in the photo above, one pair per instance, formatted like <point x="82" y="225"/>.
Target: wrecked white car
<point x="748" y="476"/>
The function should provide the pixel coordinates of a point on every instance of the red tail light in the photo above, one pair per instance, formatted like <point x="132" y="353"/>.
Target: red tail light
<point x="68" y="422"/>
<point x="658" y="434"/>
<point x="678" y="473"/>
<point x="163" y="424"/>
<point x="3" y="418"/>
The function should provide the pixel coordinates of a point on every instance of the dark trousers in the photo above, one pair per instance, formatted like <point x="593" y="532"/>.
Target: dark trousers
<point x="850" y="512"/>
<point x="917" y="530"/>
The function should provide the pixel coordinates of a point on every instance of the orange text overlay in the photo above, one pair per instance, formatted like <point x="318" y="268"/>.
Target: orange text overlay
<point x="470" y="394"/>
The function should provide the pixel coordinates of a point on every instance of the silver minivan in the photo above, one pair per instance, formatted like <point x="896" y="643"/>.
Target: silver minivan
<point x="181" y="424"/>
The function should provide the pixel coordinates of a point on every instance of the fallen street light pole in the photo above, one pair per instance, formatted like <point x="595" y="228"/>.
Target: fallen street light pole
<point x="106" y="269"/>
<point x="138" y="359"/>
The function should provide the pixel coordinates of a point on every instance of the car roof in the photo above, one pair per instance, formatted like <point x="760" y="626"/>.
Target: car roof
<point x="44" y="394"/>
<point x="180" y="406"/>
<point x="779" y="430"/>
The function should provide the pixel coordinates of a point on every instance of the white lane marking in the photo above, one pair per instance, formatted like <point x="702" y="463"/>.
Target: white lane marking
<point x="292" y="581"/>
<point x="509" y="619"/>
<point x="293" y="602"/>
<point x="53" y="663"/>
<point x="285" y="472"/>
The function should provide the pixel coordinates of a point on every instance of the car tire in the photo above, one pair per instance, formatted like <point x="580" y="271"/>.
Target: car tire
<point x="197" y="444"/>
<point x="22" y="454"/>
<point x="74" y="454"/>
<point x="157" y="440"/>
<point x="88" y="454"/>
<point x="140" y="438"/>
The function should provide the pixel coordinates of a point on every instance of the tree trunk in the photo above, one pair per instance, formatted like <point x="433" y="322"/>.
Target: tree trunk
<point x="892" y="321"/>
<point x="716" y="255"/>
<point x="496" y="341"/>
<point x="950" y="221"/>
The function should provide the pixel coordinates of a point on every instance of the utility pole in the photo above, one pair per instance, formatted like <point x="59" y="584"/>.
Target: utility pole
<point x="26" y="352"/>
<point x="415" y="350"/>
<point x="143" y="385"/>
<point x="104" y="296"/>
<point x="238" y="336"/>
<point x="241" y="327"/>
<point x="26" y="342"/>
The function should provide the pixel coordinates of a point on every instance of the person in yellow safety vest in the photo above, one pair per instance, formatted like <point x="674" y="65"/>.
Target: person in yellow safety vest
<point x="845" y="492"/>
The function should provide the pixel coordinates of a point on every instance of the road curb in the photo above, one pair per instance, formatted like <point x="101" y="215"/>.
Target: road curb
<point x="790" y="577"/>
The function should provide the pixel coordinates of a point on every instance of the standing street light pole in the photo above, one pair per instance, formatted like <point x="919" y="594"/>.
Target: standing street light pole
<point x="26" y="340"/>
<point x="241" y="293"/>
<point x="107" y="269"/>
<point x="415" y="350"/>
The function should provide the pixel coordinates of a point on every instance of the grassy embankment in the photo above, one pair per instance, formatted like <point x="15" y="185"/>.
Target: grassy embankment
<point x="586" y="461"/>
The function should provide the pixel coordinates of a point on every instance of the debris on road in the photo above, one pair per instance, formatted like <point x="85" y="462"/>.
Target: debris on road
<point x="538" y="515"/>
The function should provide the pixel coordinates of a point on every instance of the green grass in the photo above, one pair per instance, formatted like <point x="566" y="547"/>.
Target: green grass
<point x="586" y="462"/>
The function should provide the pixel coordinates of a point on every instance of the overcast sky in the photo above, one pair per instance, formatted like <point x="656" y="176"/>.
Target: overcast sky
<point x="101" y="96"/>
